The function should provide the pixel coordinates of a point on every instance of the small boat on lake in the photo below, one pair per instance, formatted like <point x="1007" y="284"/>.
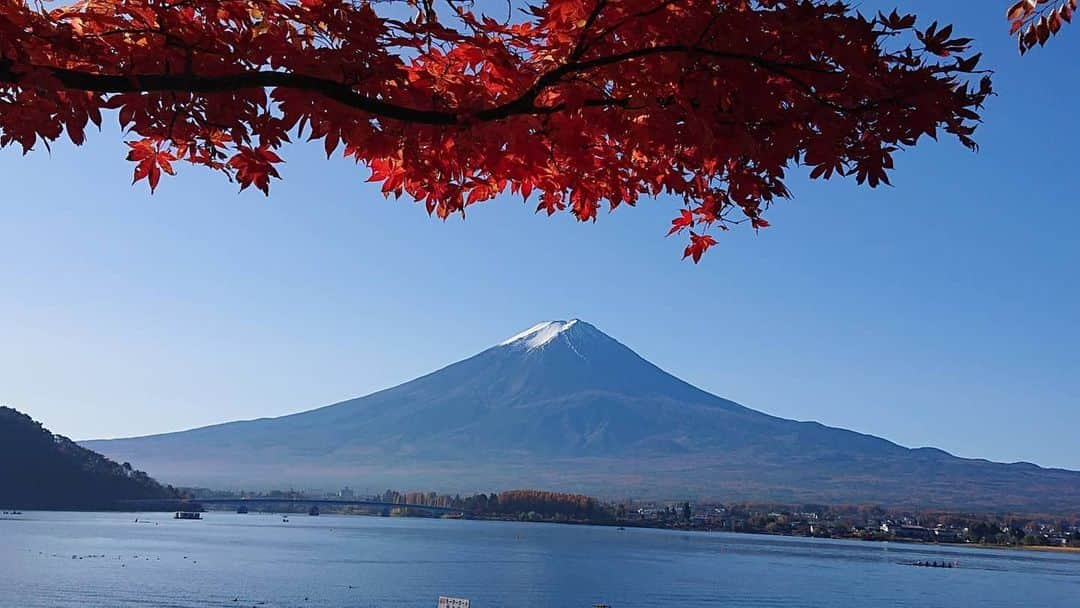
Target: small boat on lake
<point x="933" y="564"/>
<point x="187" y="515"/>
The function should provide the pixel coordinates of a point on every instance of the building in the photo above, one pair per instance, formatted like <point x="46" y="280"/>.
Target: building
<point x="947" y="535"/>
<point x="907" y="531"/>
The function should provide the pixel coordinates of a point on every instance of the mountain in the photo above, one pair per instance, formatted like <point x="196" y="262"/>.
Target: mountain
<point x="39" y="470"/>
<point x="564" y="406"/>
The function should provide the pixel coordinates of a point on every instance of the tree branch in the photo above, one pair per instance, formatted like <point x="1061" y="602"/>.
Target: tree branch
<point x="525" y="104"/>
<point x="148" y="83"/>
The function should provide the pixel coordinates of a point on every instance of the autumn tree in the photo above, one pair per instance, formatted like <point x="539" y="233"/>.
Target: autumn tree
<point x="550" y="504"/>
<point x="1034" y="22"/>
<point x="579" y="104"/>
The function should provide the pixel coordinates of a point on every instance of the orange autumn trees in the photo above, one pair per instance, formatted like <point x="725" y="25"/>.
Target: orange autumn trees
<point x="578" y="104"/>
<point x="549" y="504"/>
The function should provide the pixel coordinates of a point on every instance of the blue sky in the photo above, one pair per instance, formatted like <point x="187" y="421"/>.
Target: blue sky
<point x="942" y="311"/>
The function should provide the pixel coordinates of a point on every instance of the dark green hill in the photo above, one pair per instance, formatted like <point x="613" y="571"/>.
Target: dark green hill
<point x="39" y="470"/>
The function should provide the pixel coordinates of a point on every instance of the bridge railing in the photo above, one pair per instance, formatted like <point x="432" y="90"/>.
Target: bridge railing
<point x="292" y="500"/>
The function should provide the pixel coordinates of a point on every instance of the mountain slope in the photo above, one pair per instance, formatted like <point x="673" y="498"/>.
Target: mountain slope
<point x="563" y="405"/>
<point x="39" y="470"/>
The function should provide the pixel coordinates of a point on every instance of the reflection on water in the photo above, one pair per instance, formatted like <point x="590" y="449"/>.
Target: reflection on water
<point x="79" y="559"/>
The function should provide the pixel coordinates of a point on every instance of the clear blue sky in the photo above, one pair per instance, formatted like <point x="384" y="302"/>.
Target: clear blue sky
<point x="942" y="311"/>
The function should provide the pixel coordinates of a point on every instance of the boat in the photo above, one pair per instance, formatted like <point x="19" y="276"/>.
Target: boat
<point x="933" y="564"/>
<point x="187" y="515"/>
<point x="313" y="511"/>
<point x="241" y="509"/>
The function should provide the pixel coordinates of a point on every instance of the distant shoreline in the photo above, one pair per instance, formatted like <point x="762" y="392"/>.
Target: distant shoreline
<point x="903" y="541"/>
<point x="641" y="526"/>
<point x="618" y="525"/>
<point x="1048" y="548"/>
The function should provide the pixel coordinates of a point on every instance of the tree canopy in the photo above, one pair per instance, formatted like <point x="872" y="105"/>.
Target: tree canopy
<point x="581" y="104"/>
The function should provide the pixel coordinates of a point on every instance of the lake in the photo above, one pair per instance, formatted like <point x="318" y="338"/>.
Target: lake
<point x="107" y="559"/>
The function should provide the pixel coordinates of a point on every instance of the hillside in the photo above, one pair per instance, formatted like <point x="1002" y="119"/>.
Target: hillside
<point x="39" y="470"/>
<point x="566" y="407"/>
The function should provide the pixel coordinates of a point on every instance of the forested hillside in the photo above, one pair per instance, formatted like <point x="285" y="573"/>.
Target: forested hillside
<point x="40" y="470"/>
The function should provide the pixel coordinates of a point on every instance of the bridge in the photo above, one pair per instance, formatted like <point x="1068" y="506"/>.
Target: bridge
<point x="322" y="501"/>
<point x="294" y="500"/>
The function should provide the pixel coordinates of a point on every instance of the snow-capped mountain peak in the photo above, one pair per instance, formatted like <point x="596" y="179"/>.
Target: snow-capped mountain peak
<point x="562" y="404"/>
<point x="540" y="334"/>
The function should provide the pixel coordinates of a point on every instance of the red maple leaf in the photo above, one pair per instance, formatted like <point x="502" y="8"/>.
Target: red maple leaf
<point x="594" y="103"/>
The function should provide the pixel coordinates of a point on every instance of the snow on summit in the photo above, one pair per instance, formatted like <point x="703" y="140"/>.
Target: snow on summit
<point x="540" y="334"/>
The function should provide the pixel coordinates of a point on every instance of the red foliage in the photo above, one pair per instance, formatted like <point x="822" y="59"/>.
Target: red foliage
<point x="1035" y="21"/>
<point x="587" y="102"/>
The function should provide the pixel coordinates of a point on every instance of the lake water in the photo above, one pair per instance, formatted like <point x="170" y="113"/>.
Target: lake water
<point x="90" y="560"/>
